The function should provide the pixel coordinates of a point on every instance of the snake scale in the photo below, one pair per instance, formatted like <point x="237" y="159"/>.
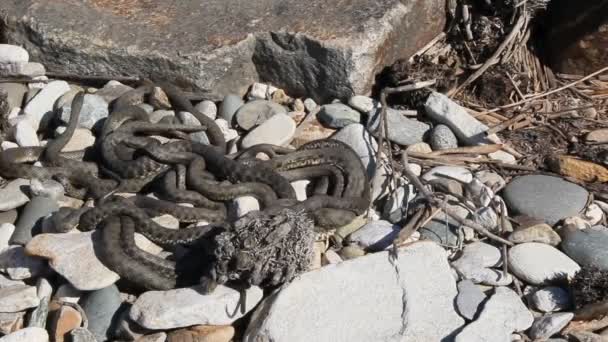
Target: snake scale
<point x="193" y="182"/>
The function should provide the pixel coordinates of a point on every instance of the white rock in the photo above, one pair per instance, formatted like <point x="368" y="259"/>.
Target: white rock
<point x="31" y="70"/>
<point x="18" y="265"/>
<point x="167" y="221"/>
<point x="8" y="144"/>
<point x="277" y="130"/>
<point x="415" y="168"/>
<point x="7" y="282"/>
<point x="375" y="235"/>
<point x="594" y="214"/>
<point x="18" y="298"/>
<point x="145" y="244"/>
<point x="261" y="91"/>
<point x="43" y="102"/>
<point x="6" y="231"/>
<point x="27" y="335"/>
<point x="228" y="132"/>
<point x="330" y="257"/>
<point x="207" y="108"/>
<point x="310" y="104"/>
<point x="13" y="54"/>
<point x="503" y="314"/>
<point x="300" y="188"/>
<point x="68" y="293"/>
<point x="94" y="108"/>
<point x="549" y="325"/>
<point x="81" y="139"/>
<point x="62" y="249"/>
<point x="362" y="103"/>
<point x="452" y="172"/>
<point x="476" y="262"/>
<point x="443" y="110"/>
<point x="48" y="188"/>
<point x="25" y="135"/>
<point x="414" y="301"/>
<point x="602" y="205"/>
<point x="245" y="204"/>
<point x="187" y="306"/>
<point x="364" y="144"/>
<point x="503" y="156"/>
<point x="538" y="263"/>
<point x="550" y="299"/>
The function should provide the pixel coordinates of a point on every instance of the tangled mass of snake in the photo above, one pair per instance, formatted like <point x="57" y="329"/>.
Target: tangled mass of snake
<point x="195" y="182"/>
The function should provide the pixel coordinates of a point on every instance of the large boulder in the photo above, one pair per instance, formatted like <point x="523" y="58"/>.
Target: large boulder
<point x="320" y="48"/>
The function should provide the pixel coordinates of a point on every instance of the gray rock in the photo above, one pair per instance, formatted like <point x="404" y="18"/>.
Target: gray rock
<point x="94" y="108"/>
<point x="310" y="105"/>
<point x="38" y="208"/>
<point x="545" y="197"/>
<point x="401" y="130"/>
<point x="359" y="139"/>
<point x="261" y="91"/>
<point x="550" y="299"/>
<point x="491" y="179"/>
<point x="416" y="302"/>
<point x="9" y="321"/>
<point x="375" y="236"/>
<point x="443" y="110"/>
<point x="542" y="233"/>
<point x="158" y="337"/>
<point x="148" y="108"/>
<point x="188" y="306"/>
<point x="13" y="54"/>
<point x="254" y="113"/>
<point x="443" y="229"/>
<point x="469" y="299"/>
<point x="82" y="335"/>
<point x="338" y="115"/>
<point x="41" y="106"/>
<point x="229" y="133"/>
<point x="19" y="265"/>
<point x="420" y="147"/>
<point x="364" y="104"/>
<point x="586" y="247"/>
<point x="13" y="195"/>
<point x="396" y="206"/>
<point x="503" y="156"/>
<point x="442" y="138"/>
<point x="229" y="106"/>
<point x="101" y="309"/>
<point x="336" y="62"/>
<point x="9" y="216"/>
<point x="22" y="69"/>
<point x="476" y="264"/>
<point x="27" y="335"/>
<point x="48" y="188"/>
<point x="487" y="218"/>
<point x="112" y="90"/>
<point x="549" y="325"/>
<point x="16" y="93"/>
<point x="278" y="130"/>
<point x="450" y="172"/>
<point x="207" y="108"/>
<point x="82" y="138"/>
<point x="6" y="231"/>
<point x="25" y="135"/>
<point x="62" y="249"/>
<point x="18" y="298"/>
<point x="38" y="317"/>
<point x="537" y="263"/>
<point x="157" y="115"/>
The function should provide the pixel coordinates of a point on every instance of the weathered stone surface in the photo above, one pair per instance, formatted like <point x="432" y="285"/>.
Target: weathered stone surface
<point x="27" y="334"/>
<point x="371" y="298"/>
<point x="537" y="263"/>
<point x="328" y="50"/>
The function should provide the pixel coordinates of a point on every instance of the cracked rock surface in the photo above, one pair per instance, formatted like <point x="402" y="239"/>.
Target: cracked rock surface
<point x="321" y="48"/>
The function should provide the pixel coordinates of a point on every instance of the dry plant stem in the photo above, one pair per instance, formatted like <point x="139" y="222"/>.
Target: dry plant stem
<point x="106" y="78"/>
<point x="504" y="125"/>
<point x="481" y="149"/>
<point x="495" y="56"/>
<point x="409" y="228"/>
<point x="521" y="95"/>
<point x="425" y="48"/>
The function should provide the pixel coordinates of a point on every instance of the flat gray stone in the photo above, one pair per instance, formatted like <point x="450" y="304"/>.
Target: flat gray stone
<point x="469" y="299"/>
<point x="81" y="139"/>
<point x="254" y="113"/>
<point x="89" y="273"/>
<point x="162" y="310"/>
<point x="401" y="130"/>
<point x="18" y="298"/>
<point x="415" y="303"/>
<point x="94" y="108"/>
<point x="15" y="92"/>
<point x="476" y="264"/>
<point x="6" y="231"/>
<point x="27" y="335"/>
<point x="545" y="197"/>
<point x="229" y="107"/>
<point x="364" y="104"/>
<point x="9" y="216"/>
<point x="587" y="247"/>
<point x="277" y="130"/>
<point x="41" y="106"/>
<point x="112" y="90"/>
<point x="550" y="299"/>
<point x="442" y="138"/>
<point x="38" y="316"/>
<point x="25" y="135"/>
<point x="537" y="263"/>
<point x="338" y="115"/>
<point x="208" y="108"/>
<point x="375" y="235"/>
<point x="549" y="325"/>
<point x="458" y="173"/>
<point x="443" y="110"/>
<point x="362" y="142"/>
<point x="22" y="69"/>
<point x="19" y="265"/>
<point x="13" y="54"/>
<point x="101" y="309"/>
<point x="35" y="210"/>
<point x="503" y="314"/>
<point x="13" y="195"/>
<point x="157" y="115"/>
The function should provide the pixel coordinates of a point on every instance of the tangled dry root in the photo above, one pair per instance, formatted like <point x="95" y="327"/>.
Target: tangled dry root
<point x="264" y="249"/>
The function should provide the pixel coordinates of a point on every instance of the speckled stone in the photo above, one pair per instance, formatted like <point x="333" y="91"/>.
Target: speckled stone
<point x="443" y="138"/>
<point x="587" y="247"/>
